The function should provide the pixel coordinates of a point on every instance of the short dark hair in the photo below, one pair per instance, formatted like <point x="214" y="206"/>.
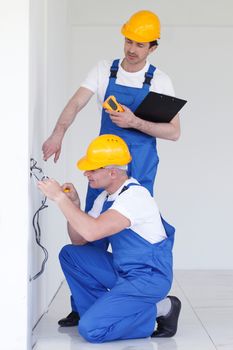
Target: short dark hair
<point x="153" y="43"/>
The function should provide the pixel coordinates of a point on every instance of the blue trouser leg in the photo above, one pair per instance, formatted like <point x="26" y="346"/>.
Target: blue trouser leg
<point x="101" y="243"/>
<point x="89" y="273"/>
<point x="72" y="303"/>
<point x="122" y="313"/>
<point x="126" y="311"/>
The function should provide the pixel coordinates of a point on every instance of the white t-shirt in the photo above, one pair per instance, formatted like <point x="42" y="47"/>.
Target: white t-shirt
<point x="137" y="205"/>
<point x="98" y="78"/>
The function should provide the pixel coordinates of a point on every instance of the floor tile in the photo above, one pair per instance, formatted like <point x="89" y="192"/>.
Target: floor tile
<point x="207" y="288"/>
<point x="206" y="319"/>
<point x="218" y="322"/>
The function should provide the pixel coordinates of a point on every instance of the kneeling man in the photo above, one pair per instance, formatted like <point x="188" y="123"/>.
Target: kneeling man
<point x="120" y="294"/>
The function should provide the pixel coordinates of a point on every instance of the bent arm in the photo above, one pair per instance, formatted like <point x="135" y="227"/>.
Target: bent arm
<point x="80" y="223"/>
<point x="167" y="131"/>
<point x="127" y="119"/>
<point x="91" y="229"/>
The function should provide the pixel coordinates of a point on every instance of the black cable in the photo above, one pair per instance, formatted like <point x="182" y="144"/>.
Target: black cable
<point x="34" y="167"/>
<point x="36" y="217"/>
<point x="36" y="227"/>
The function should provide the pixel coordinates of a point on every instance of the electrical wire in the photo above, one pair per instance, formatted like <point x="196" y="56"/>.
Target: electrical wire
<point x="36" y="216"/>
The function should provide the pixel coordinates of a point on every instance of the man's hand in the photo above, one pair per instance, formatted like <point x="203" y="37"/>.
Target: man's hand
<point x="50" y="188"/>
<point x="52" y="146"/>
<point x="53" y="190"/>
<point x="71" y="193"/>
<point x="124" y="119"/>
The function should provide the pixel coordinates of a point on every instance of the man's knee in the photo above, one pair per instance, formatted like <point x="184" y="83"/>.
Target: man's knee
<point x="64" y="252"/>
<point x="67" y="252"/>
<point x="89" y="330"/>
<point x="72" y="254"/>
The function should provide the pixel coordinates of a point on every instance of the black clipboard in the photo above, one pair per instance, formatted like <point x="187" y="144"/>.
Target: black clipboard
<point x="159" y="108"/>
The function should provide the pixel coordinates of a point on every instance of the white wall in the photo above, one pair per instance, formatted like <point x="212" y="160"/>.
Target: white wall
<point x="14" y="28"/>
<point x="49" y="47"/>
<point x="193" y="187"/>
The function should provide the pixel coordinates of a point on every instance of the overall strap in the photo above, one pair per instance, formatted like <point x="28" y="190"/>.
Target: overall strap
<point x="107" y="204"/>
<point x="114" y="69"/>
<point x="127" y="187"/>
<point x="149" y="75"/>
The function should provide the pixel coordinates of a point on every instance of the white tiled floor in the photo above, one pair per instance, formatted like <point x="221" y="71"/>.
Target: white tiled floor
<point x="206" y="320"/>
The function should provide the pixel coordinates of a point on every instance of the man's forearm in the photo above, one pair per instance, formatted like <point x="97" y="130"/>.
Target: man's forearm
<point x="167" y="131"/>
<point x="75" y="237"/>
<point x="75" y="104"/>
<point x="66" y="118"/>
<point x="127" y="119"/>
<point x="81" y="224"/>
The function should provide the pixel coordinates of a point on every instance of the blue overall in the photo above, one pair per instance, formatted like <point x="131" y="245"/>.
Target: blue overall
<point x="141" y="146"/>
<point x="116" y="293"/>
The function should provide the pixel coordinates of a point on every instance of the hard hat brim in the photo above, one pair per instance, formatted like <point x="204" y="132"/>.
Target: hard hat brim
<point x="85" y="164"/>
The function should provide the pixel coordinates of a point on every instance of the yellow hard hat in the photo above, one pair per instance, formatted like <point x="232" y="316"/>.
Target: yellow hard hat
<point x="103" y="151"/>
<point x="143" y="26"/>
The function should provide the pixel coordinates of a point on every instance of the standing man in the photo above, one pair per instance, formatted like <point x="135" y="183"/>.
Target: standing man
<point x="119" y="295"/>
<point x="129" y="80"/>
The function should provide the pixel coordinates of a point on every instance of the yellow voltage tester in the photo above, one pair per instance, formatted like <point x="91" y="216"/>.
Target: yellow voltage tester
<point x="112" y="105"/>
<point x="66" y="190"/>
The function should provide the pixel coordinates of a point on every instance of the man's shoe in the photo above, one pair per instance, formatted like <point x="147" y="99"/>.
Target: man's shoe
<point x="69" y="321"/>
<point x="167" y="325"/>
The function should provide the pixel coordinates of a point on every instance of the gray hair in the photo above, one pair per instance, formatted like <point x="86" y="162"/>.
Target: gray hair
<point x="120" y="167"/>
